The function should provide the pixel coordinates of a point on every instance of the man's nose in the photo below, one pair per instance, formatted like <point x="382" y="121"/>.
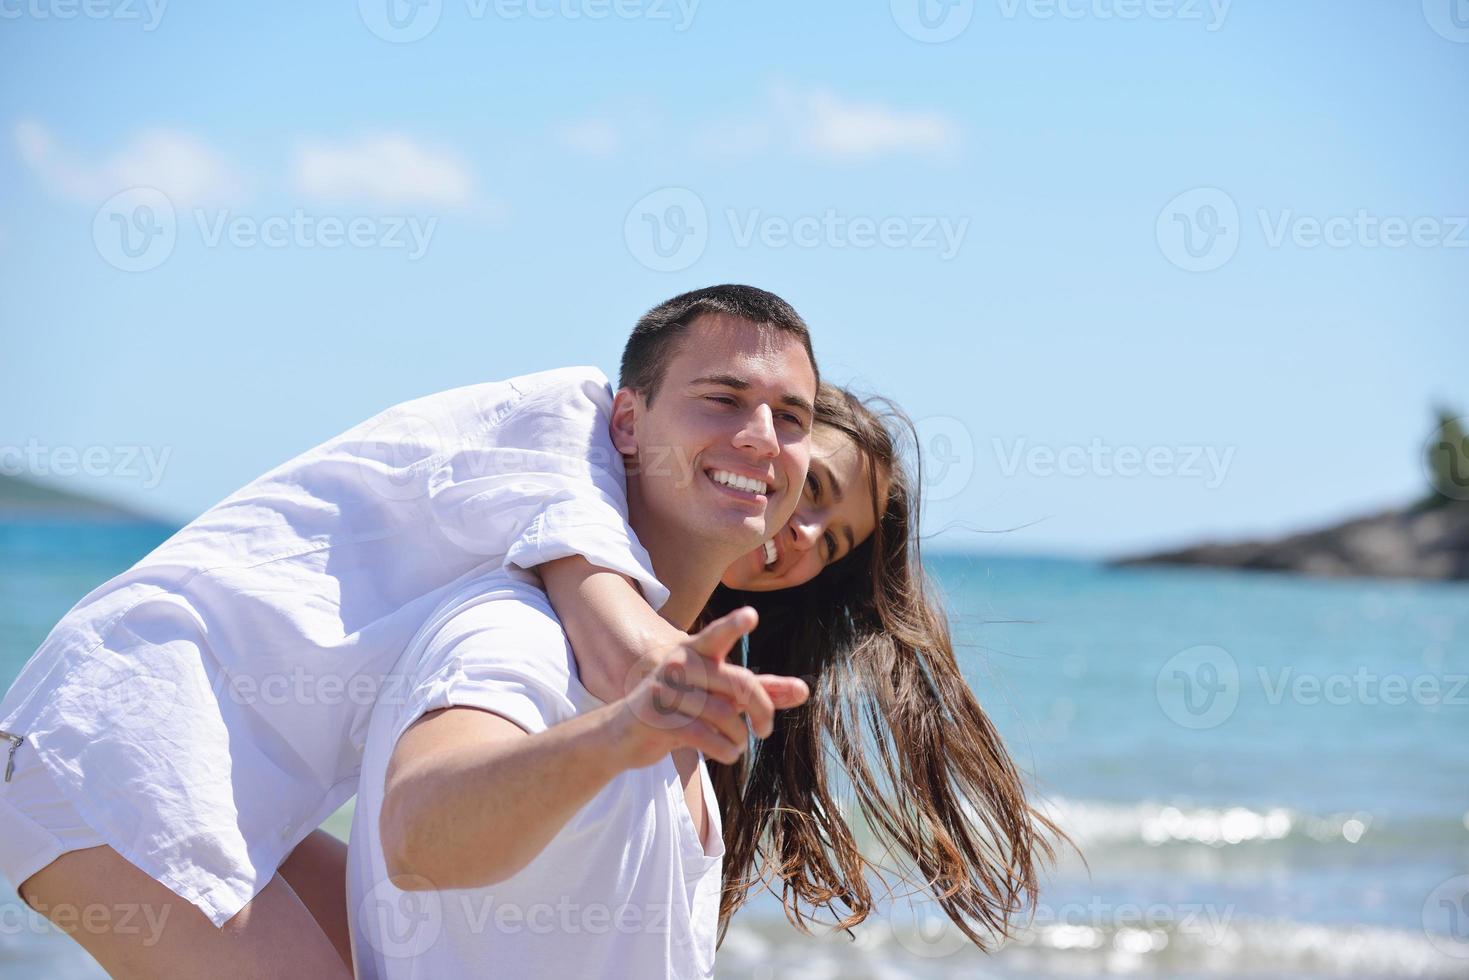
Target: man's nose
<point x="758" y="433"/>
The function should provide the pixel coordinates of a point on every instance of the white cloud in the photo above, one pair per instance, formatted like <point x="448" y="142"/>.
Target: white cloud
<point x="819" y="122"/>
<point x="180" y="165"/>
<point x="387" y="170"/>
<point x="592" y="137"/>
<point x="823" y="123"/>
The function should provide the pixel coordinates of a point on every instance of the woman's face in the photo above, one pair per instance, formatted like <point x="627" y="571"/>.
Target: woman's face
<point x="833" y="516"/>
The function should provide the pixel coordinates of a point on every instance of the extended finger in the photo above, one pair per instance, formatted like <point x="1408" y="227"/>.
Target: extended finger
<point x="784" y="692"/>
<point x="714" y="641"/>
<point x="741" y="688"/>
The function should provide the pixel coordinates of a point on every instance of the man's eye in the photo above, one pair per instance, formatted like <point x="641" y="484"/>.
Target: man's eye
<point x="722" y="399"/>
<point x="814" y="485"/>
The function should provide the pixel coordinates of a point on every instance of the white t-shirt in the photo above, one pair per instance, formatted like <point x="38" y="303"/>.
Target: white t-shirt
<point x="206" y="710"/>
<point x="624" y="890"/>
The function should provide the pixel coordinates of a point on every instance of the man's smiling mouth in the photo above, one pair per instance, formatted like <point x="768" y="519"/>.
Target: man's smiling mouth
<point x="748" y="484"/>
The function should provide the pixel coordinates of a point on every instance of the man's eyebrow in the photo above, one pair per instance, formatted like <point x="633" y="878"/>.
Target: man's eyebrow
<point x="728" y="380"/>
<point x="740" y="384"/>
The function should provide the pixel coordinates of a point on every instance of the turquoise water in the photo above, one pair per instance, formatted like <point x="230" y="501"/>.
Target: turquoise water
<point x="1267" y="775"/>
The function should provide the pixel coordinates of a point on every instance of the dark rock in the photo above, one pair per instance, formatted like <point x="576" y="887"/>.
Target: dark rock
<point x="1422" y="543"/>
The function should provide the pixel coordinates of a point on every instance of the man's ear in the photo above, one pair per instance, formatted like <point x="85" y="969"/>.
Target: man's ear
<point x="627" y="407"/>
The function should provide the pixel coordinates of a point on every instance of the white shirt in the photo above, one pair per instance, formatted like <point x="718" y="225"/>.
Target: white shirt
<point x="625" y="889"/>
<point x="206" y="710"/>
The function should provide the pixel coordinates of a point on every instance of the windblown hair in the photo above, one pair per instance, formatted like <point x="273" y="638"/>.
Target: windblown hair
<point x="928" y="772"/>
<point x="655" y="338"/>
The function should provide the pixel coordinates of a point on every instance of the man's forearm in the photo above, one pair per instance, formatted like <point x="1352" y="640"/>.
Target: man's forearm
<point x="476" y="802"/>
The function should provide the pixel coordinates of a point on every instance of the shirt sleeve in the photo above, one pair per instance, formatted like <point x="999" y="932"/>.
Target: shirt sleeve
<point x="500" y="648"/>
<point x="546" y="482"/>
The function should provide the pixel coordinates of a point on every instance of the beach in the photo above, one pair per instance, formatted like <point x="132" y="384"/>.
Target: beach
<point x="1265" y="773"/>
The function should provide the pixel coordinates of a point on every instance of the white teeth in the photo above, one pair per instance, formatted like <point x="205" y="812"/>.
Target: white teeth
<point x="770" y="553"/>
<point x="738" y="482"/>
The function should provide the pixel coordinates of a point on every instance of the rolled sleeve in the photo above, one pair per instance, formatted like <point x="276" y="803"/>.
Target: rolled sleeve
<point x="498" y="647"/>
<point x="546" y="482"/>
<point x="594" y="528"/>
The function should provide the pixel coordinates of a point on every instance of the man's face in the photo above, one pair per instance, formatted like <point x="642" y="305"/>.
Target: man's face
<point x="721" y="453"/>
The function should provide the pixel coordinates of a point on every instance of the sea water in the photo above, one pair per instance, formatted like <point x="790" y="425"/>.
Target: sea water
<point x="1266" y="776"/>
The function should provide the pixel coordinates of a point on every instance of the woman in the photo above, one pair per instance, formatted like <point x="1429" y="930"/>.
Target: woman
<point x="929" y="773"/>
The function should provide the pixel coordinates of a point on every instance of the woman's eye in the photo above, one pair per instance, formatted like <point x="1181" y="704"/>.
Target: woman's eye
<point x="831" y="546"/>
<point x="814" y="485"/>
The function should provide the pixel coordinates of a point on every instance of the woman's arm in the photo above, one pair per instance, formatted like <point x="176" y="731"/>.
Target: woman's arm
<point x="617" y="636"/>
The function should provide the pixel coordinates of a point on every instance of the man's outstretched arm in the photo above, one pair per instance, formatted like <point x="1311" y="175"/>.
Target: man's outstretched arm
<point x="470" y="798"/>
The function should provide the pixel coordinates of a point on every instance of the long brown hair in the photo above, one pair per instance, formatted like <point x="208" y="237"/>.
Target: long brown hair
<point x="927" y="769"/>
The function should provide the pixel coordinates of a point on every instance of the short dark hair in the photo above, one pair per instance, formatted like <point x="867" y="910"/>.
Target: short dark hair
<point x="654" y="340"/>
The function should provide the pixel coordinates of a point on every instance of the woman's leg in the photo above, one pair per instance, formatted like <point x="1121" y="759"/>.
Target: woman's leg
<point x="135" y="927"/>
<point x="317" y="873"/>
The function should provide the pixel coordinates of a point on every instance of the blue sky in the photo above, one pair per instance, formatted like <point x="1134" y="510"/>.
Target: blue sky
<point x="1073" y="231"/>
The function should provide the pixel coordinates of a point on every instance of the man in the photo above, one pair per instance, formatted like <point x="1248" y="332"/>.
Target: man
<point x="508" y="822"/>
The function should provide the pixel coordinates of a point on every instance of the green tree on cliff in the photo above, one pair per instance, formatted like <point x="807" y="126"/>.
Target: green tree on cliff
<point x="1447" y="462"/>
